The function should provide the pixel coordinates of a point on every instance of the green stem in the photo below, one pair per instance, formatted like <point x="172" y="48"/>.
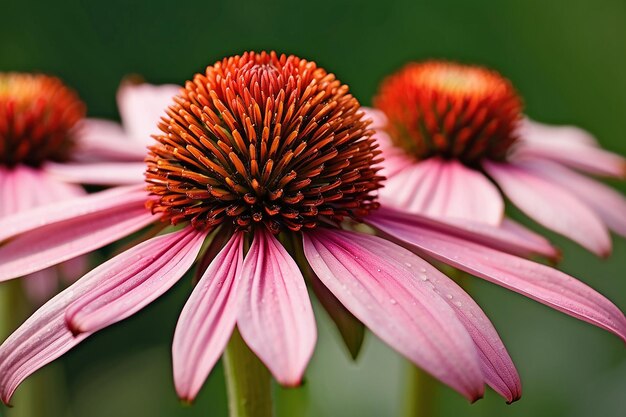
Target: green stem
<point x="11" y="307"/>
<point x="422" y="393"/>
<point x="247" y="381"/>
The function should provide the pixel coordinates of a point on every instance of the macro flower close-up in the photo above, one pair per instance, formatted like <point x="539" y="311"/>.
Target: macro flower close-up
<point x="270" y="160"/>
<point x="456" y="140"/>
<point x="289" y="209"/>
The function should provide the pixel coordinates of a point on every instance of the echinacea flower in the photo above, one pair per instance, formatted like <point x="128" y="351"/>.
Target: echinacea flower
<point x="451" y="134"/>
<point x="268" y="159"/>
<point x="43" y="135"/>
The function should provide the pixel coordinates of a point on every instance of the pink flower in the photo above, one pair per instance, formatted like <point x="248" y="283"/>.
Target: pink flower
<point x="269" y="161"/>
<point x="43" y="134"/>
<point x="452" y="134"/>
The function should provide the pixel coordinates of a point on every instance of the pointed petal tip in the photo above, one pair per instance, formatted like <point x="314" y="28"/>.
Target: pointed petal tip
<point x="186" y="400"/>
<point x="473" y="397"/>
<point x="516" y="398"/>
<point x="184" y="392"/>
<point x="606" y="253"/>
<point x="294" y="381"/>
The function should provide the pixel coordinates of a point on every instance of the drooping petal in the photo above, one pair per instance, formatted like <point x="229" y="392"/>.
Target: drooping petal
<point x="570" y="146"/>
<point x="141" y="107"/>
<point x="207" y="320"/>
<point x="45" y="335"/>
<point x="99" y="173"/>
<point x="133" y="279"/>
<point x="507" y="239"/>
<point x="444" y="190"/>
<point x="41" y="339"/>
<point x="103" y="140"/>
<point x="275" y="316"/>
<point x="52" y="234"/>
<point x="552" y="206"/>
<point x="496" y="364"/>
<point x="539" y="282"/>
<point x="388" y="289"/>
<point x="606" y="202"/>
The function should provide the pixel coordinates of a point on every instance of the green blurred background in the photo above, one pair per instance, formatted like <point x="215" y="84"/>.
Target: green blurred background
<point x="566" y="57"/>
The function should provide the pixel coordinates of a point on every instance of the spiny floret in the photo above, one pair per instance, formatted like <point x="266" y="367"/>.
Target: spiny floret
<point x="450" y="110"/>
<point x="38" y="114"/>
<point x="262" y="139"/>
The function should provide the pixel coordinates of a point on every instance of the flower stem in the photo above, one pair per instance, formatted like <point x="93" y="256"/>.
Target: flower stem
<point x="422" y="393"/>
<point x="248" y="382"/>
<point x="12" y="307"/>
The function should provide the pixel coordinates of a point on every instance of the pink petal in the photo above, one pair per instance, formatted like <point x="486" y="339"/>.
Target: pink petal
<point x="606" y="202"/>
<point x="134" y="279"/>
<point x="275" y="317"/>
<point x="389" y="290"/>
<point x="56" y="233"/>
<point x="498" y="368"/>
<point x="45" y="335"/>
<point x="395" y="158"/>
<point x="516" y="229"/>
<point x="207" y="321"/>
<point x="570" y="146"/>
<point x="444" y="190"/>
<point x="41" y="339"/>
<point x="539" y="282"/>
<point x="22" y="188"/>
<point x="552" y="206"/>
<point x="16" y="193"/>
<point x="56" y="190"/>
<point x="102" y="173"/>
<point x="103" y="140"/>
<point x="141" y="107"/>
<point x="69" y="209"/>
<point x="508" y="239"/>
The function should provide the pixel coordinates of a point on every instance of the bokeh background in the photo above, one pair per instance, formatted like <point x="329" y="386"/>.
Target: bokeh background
<point x="566" y="57"/>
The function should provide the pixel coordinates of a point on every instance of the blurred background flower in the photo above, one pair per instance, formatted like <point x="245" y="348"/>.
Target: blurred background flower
<point x="567" y="59"/>
<point x="450" y="133"/>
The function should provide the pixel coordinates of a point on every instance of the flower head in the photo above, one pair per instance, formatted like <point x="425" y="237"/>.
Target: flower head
<point x="268" y="159"/>
<point x="448" y="130"/>
<point x="263" y="140"/>
<point x="450" y="110"/>
<point x="37" y="119"/>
